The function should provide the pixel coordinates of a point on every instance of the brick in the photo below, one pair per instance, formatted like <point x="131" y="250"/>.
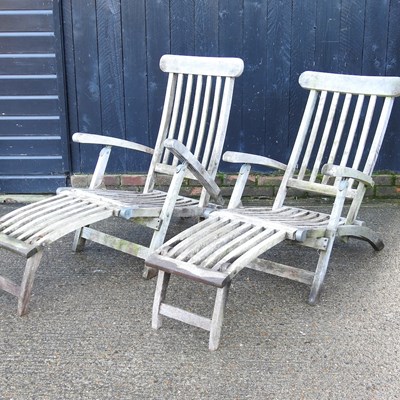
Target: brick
<point x="226" y="191"/>
<point x="112" y="180"/>
<point x="80" y="181"/>
<point x="265" y="180"/>
<point x="294" y="193"/>
<point x="195" y="191"/>
<point x="219" y="179"/>
<point x="387" y="191"/>
<point x="383" y="180"/>
<point x="370" y="192"/>
<point x="163" y="180"/>
<point x="231" y="179"/>
<point x="133" y="180"/>
<point x="255" y="191"/>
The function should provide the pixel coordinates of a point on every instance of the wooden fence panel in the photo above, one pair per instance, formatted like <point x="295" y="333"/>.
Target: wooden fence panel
<point x="116" y="47"/>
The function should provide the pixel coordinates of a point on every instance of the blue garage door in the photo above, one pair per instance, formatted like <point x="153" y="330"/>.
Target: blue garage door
<point x="34" y="155"/>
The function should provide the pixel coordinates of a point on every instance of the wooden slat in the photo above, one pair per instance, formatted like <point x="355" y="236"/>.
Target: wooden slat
<point x="229" y="246"/>
<point x="185" y="112"/>
<point x="339" y="132"/>
<point x="188" y="270"/>
<point x="364" y="132"/>
<point x="325" y="137"/>
<point x="17" y="246"/>
<point x="222" y="239"/>
<point x="9" y="286"/>
<point x="282" y="270"/>
<point x="201" y="66"/>
<point x="27" y="22"/>
<point x="116" y="243"/>
<point x="185" y="316"/>
<point x="313" y="135"/>
<point x="213" y="121"/>
<point x="195" y="112"/>
<point x="372" y="85"/>
<point x="258" y="247"/>
<point x="175" y="113"/>
<point x="203" y="118"/>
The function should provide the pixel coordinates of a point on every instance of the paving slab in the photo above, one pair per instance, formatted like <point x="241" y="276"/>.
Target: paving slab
<point x="88" y="335"/>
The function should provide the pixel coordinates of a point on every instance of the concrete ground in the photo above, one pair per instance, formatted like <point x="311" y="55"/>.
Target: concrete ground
<point x="88" y="333"/>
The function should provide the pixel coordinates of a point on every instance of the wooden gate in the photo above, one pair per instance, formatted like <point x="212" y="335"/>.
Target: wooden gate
<point x="34" y="156"/>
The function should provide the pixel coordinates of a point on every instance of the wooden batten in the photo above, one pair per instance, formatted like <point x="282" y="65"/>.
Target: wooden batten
<point x="215" y="66"/>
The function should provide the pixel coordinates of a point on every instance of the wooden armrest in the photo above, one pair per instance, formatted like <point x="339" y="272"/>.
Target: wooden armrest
<point x="246" y="158"/>
<point x="181" y="152"/>
<point x="347" y="172"/>
<point x="91" y="138"/>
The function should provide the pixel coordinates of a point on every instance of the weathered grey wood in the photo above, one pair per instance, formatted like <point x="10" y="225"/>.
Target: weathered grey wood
<point x="282" y="270"/>
<point x="237" y="193"/>
<point x="245" y="158"/>
<point x="91" y="138"/>
<point x="185" y="316"/>
<point x="363" y="233"/>
<point x="355" y="84"/>
<point x="346" y="172"/>
<point x="214" y="251"/>
<point x="194" y="133"/>
<point x="188" y="270"/>
<point x="159" y="296"/>
<point x="218" y="318"/>
<point x="101" y="165"/>
<point x="24" y="296"/>
<point x="122" y="245"/>
<point x="9" y="286"/>
<point x="16" y="246"/>
<point x="195" y="167"/>
<point x="201" y="65"/>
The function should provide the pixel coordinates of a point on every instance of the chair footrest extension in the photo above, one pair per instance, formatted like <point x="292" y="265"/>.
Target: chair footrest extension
<point x="190" y="271"/>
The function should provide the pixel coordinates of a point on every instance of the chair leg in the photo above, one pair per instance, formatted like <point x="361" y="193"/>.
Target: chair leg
<point x="156" y="241"/>
<point x="159" y="297"/>
<point x="32" y="265"/>
<point x="320" y="273"/>
<point x="218" y="317"/>
<point x="79" y="242"/>
<point x="149" y="273"/>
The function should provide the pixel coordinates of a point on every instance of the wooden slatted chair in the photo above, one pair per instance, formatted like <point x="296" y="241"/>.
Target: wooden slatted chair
<point x="194" y="121"/>
<point x="334" y="154"/>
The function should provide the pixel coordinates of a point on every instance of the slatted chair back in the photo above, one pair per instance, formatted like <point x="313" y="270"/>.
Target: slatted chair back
<point x="344" y="122"/>
<point x="196" y="112"/>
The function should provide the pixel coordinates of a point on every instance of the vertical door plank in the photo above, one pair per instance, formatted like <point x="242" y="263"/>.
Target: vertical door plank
<point x="135" y="81"/>
<point x="111" y="77"/>
<point x="158" y="44"/>
<point x="206" y="28"/>
<point x="278" y="42"/>
<point x="231" y="45"/>
<point x="302" y="59"/>
<point x="86" y="78"/>
<point x="351" y="37"/>
<point x="255" y="55"/>
<point x="182" y="27"/>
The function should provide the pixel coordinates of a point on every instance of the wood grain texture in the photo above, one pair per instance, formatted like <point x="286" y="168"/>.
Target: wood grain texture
<point x="255" y="54"/>
<point x="375" y="37"/>
<point x="111" y="75"/>
<point x="278" y="42"/>
<point x="206" y="28"/>
<point x="351" y="37"/>
<point x="182" y="22"/>
<point x="133" y="13"/>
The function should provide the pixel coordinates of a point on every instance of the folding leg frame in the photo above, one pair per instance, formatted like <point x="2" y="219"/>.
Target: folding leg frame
<point x="211" y="252"/>
<point x="28" y="230"/>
